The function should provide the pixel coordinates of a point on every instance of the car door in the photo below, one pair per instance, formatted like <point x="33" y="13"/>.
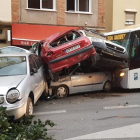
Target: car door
<point x="98" y="81"/>
<point x="81" y="82"/>
<point x="38" y="77"/>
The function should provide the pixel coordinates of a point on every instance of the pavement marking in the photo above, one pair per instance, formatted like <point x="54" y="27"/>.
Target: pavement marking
<point x="50" y="112"/>
<point x="131" y="131"/>
<point x="123" y="106"/>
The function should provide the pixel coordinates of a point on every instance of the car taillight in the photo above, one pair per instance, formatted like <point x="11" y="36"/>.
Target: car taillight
<point x="49" y="54"/>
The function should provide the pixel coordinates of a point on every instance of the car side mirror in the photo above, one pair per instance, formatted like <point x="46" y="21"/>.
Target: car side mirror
<point x="33" y="70"/>
<point x="136" y="42"/>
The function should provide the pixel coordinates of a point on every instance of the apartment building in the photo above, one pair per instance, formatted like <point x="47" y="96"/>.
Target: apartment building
<point x="5" y="23"/>
<point x="34" y="20"/>
<point x="121" y="14"/>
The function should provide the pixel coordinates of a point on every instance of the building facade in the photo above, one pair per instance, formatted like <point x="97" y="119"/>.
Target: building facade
<point x="121" y="14"/>
<point x="33" y="20"/>
<point x="5" y="23"/>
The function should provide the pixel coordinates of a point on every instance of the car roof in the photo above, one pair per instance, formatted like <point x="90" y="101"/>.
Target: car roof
<point x="16" y="54"/>
<point x="14" y="47"/>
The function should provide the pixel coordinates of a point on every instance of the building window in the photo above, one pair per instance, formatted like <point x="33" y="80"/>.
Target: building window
<point x="129" y="18"/>
<point x="0" y="31"/>
<point x="42" y="4"/>
<point x="79" y="6"/>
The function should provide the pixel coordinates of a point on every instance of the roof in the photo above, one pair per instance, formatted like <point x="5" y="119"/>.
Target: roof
<point x="126" y="30"/>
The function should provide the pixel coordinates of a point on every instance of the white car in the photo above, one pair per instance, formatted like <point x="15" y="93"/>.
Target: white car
<point x="22" y="82"/>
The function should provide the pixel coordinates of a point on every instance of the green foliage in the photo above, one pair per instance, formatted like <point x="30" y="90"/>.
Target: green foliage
<point x="25" y="129"/>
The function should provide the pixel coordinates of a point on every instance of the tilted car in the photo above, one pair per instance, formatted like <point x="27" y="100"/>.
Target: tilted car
<point x="109" y="54"/>
<point x="81" y="79"/>
<point x="22" y="82"/>
<point x="64" y="49"/>
<point x="13" y="49"/>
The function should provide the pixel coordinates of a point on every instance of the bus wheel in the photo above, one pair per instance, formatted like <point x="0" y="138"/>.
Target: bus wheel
<point x="107" y="86"/>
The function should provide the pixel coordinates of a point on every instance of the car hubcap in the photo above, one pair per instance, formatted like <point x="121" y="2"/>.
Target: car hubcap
<point x="30" y="108"/>
<point x="107" y="86"/>
<point x="61" y="92"/>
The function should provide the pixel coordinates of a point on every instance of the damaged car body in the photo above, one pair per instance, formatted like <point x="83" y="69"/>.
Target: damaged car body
<point x="81" y="79"/>
<point x="22" y="83"/>
<point x="64" y="49"/>
<point x="109" y="55"/>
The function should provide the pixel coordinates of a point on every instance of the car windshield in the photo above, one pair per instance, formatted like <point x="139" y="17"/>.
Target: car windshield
<point x="13" y="65"/>
<point x="120" y="39"/>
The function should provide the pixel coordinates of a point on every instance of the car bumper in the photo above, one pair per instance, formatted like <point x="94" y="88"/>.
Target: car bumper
<point x="16" y="112"/>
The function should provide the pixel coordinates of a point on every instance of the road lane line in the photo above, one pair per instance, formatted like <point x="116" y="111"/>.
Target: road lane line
<point x="120" y="107"/>
<point x="131" y="131"/>
<point x="50" y="112"/>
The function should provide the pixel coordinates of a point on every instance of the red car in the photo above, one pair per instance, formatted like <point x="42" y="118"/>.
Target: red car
<point x="64" y="49"/>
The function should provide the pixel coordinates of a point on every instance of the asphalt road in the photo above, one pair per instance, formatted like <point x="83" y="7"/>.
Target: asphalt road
<point x="109" y="116"/>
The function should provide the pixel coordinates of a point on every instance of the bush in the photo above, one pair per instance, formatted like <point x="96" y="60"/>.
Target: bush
<point x="25" y="129"/>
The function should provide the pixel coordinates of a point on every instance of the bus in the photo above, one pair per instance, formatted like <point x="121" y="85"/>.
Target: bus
<point x="129" y="38"/>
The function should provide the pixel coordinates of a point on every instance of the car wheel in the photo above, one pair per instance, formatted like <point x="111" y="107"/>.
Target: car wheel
<point x="29" y="107"/>
<point x="107" y="86"/>
<point x="54" y="77"/>
<point x="61" y="91"/>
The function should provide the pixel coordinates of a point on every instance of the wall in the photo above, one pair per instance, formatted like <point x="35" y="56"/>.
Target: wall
<point x="117" y="20"/>
<point x="5" y="11"/>
<point x="58" y="17"/>
<point x="5" y="20"/>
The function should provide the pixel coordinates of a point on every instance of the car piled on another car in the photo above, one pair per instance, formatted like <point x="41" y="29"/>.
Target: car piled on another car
<point x="82" y="79"/>
<point x="64" y="49"/>
<point x="109" y="55"/>
<point x="22" y="82"/>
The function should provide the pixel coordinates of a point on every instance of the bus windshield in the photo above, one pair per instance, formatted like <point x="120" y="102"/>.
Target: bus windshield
<point x="120" y="39"/>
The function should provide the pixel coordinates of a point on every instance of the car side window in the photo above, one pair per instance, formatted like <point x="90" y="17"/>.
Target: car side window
<point x="31" y="63"/>
<point x="38" y="61"/>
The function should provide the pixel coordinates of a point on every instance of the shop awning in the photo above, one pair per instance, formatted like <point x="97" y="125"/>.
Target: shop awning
<point x="27" y="34"/>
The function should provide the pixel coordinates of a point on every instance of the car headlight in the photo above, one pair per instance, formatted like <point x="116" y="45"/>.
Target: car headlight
<point x="12" y="96"/>
<point x="1" y="99"/>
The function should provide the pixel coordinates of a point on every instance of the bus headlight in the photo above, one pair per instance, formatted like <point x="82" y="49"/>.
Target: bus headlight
<point x="122" y="74"/>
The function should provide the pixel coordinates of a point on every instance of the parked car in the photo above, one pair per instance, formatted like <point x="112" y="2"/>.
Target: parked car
<point x="22" y="82"/>
<point x="13" y="49"/>
<point x="64" y="49"/>
<point x="81" y="79"/>
<point x="109" y="54"/>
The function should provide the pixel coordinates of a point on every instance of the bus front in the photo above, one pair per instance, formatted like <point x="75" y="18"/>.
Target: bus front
<point x="128" y="78"/>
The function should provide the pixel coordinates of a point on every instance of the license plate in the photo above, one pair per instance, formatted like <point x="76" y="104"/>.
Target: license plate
<point x="72" y="49"/>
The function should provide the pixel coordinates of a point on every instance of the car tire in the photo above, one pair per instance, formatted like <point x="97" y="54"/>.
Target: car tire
<point x="61" y="92"/>
<point x="54" y="77"/>
<point x="107" y="86"/>
<point x="29" y="107"/>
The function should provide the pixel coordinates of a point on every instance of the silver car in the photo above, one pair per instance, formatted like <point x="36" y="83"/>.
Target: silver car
<point x="12" y="49"/>
<point x="22" y="82"/>
<point x="82" y="79"/>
